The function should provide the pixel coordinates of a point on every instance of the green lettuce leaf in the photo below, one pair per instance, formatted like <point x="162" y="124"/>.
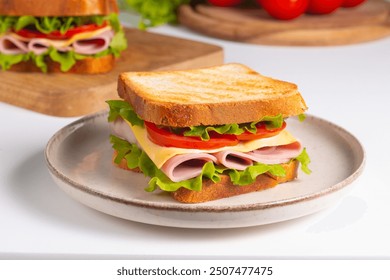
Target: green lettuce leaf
<point x="120" y="108"/>
<point x="249" y="175"/>
<point x="113" y="19"/>
<point x="7" y="60"/>
<point x="203" y="131"/>
<point x="304" y="159"/>
<point x="301" y="117"/>
<point x="65" y="59"/>
<point x="39" y="61"/>
<point x="6" y="23"/>
<point x="47" y="25"/>
<point x="154" y="12"/>
<point x="118" y="43"/>
<point x="271" y="122"/>
<point x="195" y="184"/>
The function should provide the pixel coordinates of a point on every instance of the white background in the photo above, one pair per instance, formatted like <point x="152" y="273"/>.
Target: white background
<point x="347" y="85"/>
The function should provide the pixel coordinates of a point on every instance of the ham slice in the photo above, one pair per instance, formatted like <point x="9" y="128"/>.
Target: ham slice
<point x="276" y="155"/>
<point x="186" y="166"/>
<point x="95" y="44"/>
<point x="11" y="45"/>
<point x="268" y="155"/>
<point x="234" y="160"/>
<point x="40" y="45"/>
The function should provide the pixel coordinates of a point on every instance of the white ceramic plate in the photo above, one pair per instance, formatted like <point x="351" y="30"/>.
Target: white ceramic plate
<point x="79" y="159"/>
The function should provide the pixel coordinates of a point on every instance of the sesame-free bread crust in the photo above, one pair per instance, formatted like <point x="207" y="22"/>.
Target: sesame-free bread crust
<point x="87" y="65"/>
<point x="229" y="93"/>
<point x="41" y="8"/>
<point x="225" y="188"/>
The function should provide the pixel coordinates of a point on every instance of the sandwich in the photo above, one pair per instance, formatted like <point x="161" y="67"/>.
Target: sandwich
<point x="77" y="36"/>
<point x="207" y="134"/>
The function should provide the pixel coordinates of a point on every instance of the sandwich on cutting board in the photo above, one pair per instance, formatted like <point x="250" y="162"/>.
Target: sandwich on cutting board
<point x="207" y="134"/>
<point x="75" y="36"/>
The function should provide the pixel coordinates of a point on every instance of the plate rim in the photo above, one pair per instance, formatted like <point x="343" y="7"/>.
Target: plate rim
<point x="199" y="207"/>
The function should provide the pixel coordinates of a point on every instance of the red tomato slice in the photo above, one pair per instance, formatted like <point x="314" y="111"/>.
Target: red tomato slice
<point x="166" y="138"/>
<point x="262" y="132"/>
<point x="56" y="35"/>
<point x="225" y="3"/>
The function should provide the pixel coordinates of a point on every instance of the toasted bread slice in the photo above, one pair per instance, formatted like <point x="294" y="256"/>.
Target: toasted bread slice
<point x="40" y="8"/>
<point x="230" y="93"/>
<point x="225" y="188"/>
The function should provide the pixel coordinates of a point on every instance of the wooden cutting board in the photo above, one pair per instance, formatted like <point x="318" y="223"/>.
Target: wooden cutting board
<point x="69" y="95"/>
<point x="369" y="21"/>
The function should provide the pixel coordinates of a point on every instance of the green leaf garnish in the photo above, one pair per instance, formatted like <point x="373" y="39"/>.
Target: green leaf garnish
<point x="304" y="159"/>
<point x="301" y="117"/>
<point x="120" y="108"/>
<point x="235" y="129"/>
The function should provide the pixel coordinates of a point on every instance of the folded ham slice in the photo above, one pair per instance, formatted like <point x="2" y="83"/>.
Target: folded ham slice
<point x="267" y="155"/>
<point x="11" y="45"/>
<point x="234" y="159"/>
<point x="277" y="154"/>
<point x="95" y="44"/>
<point x="40" y="45"/>
<point x="186" y="166"/>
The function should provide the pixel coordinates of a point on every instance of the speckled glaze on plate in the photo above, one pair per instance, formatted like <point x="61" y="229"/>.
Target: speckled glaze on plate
<point x="79" y="159"/>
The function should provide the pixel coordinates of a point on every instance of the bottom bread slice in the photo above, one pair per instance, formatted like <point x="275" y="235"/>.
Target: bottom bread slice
<point x="87" y="65"/>
<point x="225" y="188"/>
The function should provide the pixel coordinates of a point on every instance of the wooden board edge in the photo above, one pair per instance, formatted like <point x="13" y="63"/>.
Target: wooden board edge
<point x="203" y="24"/>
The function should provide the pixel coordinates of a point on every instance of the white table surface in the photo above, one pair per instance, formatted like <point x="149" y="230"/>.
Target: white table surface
<point x="348" y="85"/>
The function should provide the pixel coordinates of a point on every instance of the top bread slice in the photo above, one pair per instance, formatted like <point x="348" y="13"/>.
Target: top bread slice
<point x="224" y="94"/>
<point x="40" y="8"/>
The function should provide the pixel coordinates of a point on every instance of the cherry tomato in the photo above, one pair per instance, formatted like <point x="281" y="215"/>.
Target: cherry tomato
<point x="262" y="132"/>
<point x="284" y="9"/>
<point x="323" y="6"/>
<point x="352" y="3"/>
<point x="225" y="3"/>
<point x="163" y="137"/>
<point x="56" y="35"/>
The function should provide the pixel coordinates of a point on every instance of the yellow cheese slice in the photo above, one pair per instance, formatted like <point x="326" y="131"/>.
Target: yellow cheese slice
<point x="159" y="155"/>
<point x="68" y="42"/>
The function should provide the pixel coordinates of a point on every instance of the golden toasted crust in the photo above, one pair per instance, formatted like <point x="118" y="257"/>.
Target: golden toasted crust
<point x="57" y="7"/>
<point x="85" y="66"/>
<point x="225" y="188"/>
<point x="230" y="93"/>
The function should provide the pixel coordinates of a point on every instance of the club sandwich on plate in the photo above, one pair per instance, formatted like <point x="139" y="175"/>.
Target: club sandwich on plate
<point x="207" y="134"/>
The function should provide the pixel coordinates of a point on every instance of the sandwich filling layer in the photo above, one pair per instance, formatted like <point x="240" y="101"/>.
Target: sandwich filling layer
<point x="174" y="167"/>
